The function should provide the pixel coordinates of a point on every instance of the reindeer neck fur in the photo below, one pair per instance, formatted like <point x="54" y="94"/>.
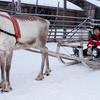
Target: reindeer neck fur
<point x="5" y="39"/>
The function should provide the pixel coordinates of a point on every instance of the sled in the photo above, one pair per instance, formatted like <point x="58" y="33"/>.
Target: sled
<point x="63" y="45"/>
<point x="88" y="61"/>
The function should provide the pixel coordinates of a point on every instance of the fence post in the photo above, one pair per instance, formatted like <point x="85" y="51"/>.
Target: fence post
<point x="19" y="6"/>
<point x="36" y="6"/>
<point x="64" y="19"/>
<point x="55" y="27"/>
<point x="12" y="5"/>
<point x="58" y="8"/>
<point x="89" y="35"/>
<point x="55" y="35"/>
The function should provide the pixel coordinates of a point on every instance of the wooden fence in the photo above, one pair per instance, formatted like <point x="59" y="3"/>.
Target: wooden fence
<point x="72" y="28"/>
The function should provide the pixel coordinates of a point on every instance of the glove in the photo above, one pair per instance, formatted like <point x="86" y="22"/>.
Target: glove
<point x="89" y="51"/>
<point x="96" y="53"/>
<point x="98" y="47"/>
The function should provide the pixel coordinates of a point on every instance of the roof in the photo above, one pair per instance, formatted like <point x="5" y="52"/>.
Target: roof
<point x="50" y="3"/>
<point x="94" y="2"/>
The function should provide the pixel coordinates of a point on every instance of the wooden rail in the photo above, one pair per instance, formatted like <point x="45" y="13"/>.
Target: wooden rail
<point x="58" y="24"/>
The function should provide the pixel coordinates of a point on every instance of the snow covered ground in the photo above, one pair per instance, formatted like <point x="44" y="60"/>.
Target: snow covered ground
<point x="75" y="82"/>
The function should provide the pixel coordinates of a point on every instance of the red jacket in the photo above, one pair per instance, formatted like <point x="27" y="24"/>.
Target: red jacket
<point x="94" y="41"/>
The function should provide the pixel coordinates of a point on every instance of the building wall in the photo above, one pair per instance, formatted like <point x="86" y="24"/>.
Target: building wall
<point x="5" y="5"/>
<point x="90" y="9"/>
<point x="97" y="13"/>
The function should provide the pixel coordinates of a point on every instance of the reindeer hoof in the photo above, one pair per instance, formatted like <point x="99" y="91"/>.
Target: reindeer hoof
<point x="6" y="90"/>
<point x="5" y="87"/>
<point x="47" y="73"/>
<point x="39" y="77"/>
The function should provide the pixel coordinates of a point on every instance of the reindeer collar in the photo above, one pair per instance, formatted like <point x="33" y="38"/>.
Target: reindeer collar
<point x="15" y="25"/>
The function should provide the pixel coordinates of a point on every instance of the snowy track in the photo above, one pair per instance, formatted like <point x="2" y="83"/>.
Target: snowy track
<point x="74" y="82"/>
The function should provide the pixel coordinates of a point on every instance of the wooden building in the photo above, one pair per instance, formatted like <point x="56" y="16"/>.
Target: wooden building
<point x="91" y="7"/>
<point x="40" y="9"/>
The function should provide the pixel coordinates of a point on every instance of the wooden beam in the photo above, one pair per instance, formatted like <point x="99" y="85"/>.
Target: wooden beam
<point x="64" y="19"/>
<point x="12" y="5"/>
<point x="36" y="7"/>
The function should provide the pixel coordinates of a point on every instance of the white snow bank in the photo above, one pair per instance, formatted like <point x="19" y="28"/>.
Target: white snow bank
<point x="64" y="83"/>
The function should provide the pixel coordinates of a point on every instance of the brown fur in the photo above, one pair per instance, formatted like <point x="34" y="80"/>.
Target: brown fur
<point x="43" y="37"/>
<point x="31" y="42"/>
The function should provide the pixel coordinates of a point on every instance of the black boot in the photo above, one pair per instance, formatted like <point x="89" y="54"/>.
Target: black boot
<point x="76" y="52"/>
<point x="96" y="53"/>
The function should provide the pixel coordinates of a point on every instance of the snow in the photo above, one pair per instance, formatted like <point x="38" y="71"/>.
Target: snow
<point x="95" y="2"/>
<point x="51" y="3"/>
<point x="75" y="82"/>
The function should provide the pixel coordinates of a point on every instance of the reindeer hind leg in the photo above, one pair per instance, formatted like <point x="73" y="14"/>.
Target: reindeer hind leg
<point x="48" y="70"/>
<point x="8" y="87"/>
<point x="40" y="76"/>
<point x="2" y="61"/>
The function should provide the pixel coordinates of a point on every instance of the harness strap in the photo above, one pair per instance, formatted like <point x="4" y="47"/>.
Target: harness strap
<point x="15" y="25"/>
<point x="7" y="33"/>
<point x="5" y="16"/>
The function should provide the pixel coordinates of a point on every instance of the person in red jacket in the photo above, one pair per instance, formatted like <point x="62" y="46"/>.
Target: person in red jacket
<point x="93" y="46"/>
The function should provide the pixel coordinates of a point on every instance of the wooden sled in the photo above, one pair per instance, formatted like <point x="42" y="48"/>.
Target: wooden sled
<point x="88" y="61"/>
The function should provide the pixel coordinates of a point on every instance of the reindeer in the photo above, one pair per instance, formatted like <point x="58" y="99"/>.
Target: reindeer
<point x="34" y="31"/>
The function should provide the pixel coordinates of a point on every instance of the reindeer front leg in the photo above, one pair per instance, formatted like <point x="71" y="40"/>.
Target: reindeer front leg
<point x="2" y="60"/>
<point x="8" y="66"/>
<point x="7" y="87"/>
